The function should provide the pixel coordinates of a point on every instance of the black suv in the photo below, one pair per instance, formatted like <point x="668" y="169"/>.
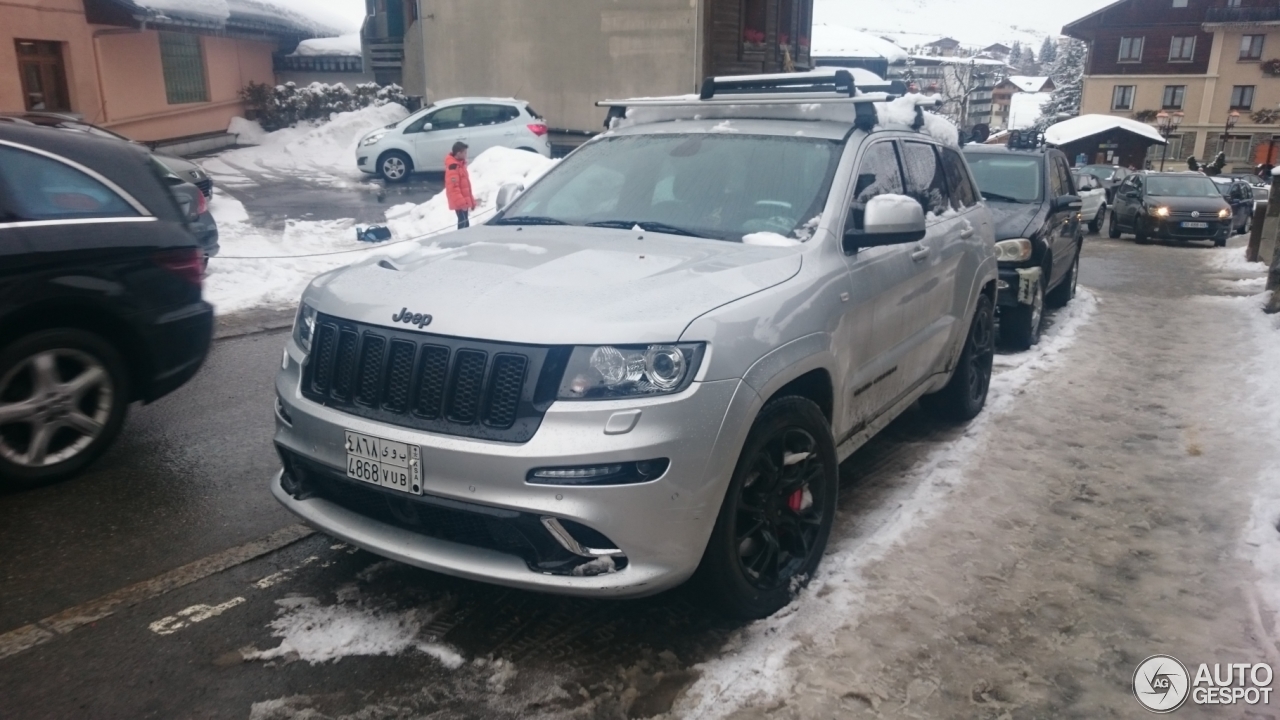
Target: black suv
<point x="1038" y="235"/>
<point x="1170" y="206"/>
<point x="100" y="297"/>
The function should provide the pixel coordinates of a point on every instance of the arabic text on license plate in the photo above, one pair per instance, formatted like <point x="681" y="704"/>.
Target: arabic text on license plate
<point x="390" y="464"/>
<point x="1200" y="225"/>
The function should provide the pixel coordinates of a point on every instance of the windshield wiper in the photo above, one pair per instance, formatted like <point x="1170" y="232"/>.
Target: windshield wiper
<point x="997" y="196"/>
<point x="648" y="225"/>
<point x="527" y="220"/>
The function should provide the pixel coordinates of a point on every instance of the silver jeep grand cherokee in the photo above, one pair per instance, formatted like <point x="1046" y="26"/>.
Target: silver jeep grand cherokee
<point x="650" y="363"/>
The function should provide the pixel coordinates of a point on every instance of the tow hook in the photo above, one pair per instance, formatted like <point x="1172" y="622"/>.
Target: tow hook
<point x="1028" y="278"/>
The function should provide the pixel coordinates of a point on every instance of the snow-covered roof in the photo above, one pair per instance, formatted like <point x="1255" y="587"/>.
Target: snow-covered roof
<point x="1028" y="83"/>
<point x="1025" y="109"/>
<point x="944" y="60"/>
<point x="257" y="15"/>
<point x="838" y="41"/>
<point x="1069" y="131"/>
<point x="341" y="46"/>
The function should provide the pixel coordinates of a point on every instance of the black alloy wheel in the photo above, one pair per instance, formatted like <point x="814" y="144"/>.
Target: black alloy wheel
<point x="966" y="393"/>
<point x="777" y="513"/>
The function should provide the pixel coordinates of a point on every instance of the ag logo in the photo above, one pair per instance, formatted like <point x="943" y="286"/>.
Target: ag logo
<point x="1161" y="683"/>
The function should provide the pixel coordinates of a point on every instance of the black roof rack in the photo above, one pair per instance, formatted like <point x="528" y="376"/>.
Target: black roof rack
<point x="1025" y="140"/>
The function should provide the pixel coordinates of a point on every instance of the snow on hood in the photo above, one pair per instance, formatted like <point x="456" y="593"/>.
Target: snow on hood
<point x="1069" y="131"/>
<point x="838" y="41"/>
<point x="555" y="285"/>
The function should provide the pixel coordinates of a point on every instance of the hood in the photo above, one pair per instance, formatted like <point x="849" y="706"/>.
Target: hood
<point x="554" y="285"/>
<point x="1188" y="204"/>
<point x="1014" y="220"/>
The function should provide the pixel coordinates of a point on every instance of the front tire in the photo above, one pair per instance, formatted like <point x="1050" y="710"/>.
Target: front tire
<point x="394" y="166"/>
<point x="1095" y="225"/>
<point x="776" y="515"/>
<point x="1113" y="228"/>
<point x="1020" y="325"/>
<point x="1139" y="234"/>
<point x="63" y="398"/>
<point x="1066" y="290"/>
<point x="966" y="393"/>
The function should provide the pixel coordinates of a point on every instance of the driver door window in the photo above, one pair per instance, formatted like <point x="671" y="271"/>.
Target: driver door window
<point x="430" y="146"/>
<point x="878" y="174"/>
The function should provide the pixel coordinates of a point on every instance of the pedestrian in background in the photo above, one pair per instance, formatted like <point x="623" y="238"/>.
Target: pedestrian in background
<point x="457" y="184"/>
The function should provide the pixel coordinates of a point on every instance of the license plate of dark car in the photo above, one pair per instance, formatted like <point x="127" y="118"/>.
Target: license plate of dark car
<point x="386" y="463"/>
<point x="1200" y="225"/>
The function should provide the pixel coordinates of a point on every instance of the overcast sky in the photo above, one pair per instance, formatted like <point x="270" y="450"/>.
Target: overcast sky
<point x="970" y="21"/>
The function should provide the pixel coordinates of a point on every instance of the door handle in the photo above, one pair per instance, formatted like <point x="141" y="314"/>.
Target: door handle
<point x="920" y="254"/>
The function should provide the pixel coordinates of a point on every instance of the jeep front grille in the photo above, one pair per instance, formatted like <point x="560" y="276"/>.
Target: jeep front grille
<point x="456" y="386"/>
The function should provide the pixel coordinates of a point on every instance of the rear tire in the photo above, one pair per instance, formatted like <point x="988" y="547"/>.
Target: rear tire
<point x="394" y="166"/>
<point x="1113" y="228"/>
<point x="63" y="398"/>
<point x="1020" y="325"/>
<point x="776" y="515"/>
<point x="966" y="393"/>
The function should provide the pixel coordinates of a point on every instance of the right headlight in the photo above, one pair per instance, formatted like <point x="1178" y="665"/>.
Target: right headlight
<point x="617" y="371"/>
<point x="371" y="139"/>
<point x="1015" y="250"/>
<point x="304" y="326"/>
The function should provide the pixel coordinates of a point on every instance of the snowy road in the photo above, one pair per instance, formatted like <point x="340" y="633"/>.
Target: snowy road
<point x="1020" y="567"/>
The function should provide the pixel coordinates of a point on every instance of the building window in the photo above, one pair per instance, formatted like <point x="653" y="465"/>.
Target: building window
<point x="786" y="22"/>
<point x="183" y="66"/>
<point x="1122" y="97"/>
<point x="1251" y="47"/>
<point x="1182" y="48"/>
<point x="1237" y="148"/>
<point x="43" y="76"/>
<point x="753" y="22"/>
<point x="1174" y="95"/>
<point x="1130" y="49"/>
<point x="1179" y="3"/>
<point x="1242" y="97"/>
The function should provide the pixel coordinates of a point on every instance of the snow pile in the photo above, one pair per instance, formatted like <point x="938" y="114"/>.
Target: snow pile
<point x="304" y="19"/>
<point x="247" y="132"/>
<point x="322" y="152"/>
<point x="754" y="670"/>
<point x="903" y="112"/>
<point x="1025" y="108"/>
<point x="205" y="10"/>
<point x="318" y="633"/>
<point x="1076" y="128"/>
<point x="491" y="170"/>
<point x="341" y="46"/>
<point x="769" y="239"/>
<point x="834" y="41"/>
<point x="1231" y="260"/>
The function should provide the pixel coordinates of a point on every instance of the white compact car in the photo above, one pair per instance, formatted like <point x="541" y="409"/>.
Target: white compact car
<point x="419" y="142"/>
<point x="1093" y="199"/>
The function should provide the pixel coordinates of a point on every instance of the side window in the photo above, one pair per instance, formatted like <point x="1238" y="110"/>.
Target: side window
<point x="40" y="188"/>
<point x="877" y="174"/>
<point x="1058" y="183"/>
<point x="963" y="194"/>
<point x="446" y="118"/>
<point x="926" y="181"/>
<point x="478" y="115"/>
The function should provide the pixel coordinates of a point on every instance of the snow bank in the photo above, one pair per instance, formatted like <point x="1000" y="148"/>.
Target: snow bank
<point x="320" y="633"/>
<point x="1025" y="108"/>
<point x="341" y="46"/>
<point x="489" y="171"/>
<point x="322" y="152"/>
<point x="1081" y="127"/>
<point x="835" y="41"/>
<point x="753" y="671"/>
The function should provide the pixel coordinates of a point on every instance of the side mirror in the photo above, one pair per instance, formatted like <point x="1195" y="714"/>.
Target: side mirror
<point x="507" y="194"/>
<point x="426" y="127"/>
<point x="1067" y="202"/>
<point x="887" y="220"/>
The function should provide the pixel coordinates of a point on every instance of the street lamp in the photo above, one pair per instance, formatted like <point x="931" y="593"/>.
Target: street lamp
<point x="1168" y="125"/>
<point x="1232" y="118"/>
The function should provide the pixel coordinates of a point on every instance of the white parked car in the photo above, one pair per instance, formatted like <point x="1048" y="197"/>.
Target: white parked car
<point x="1093" y="199"/>
<point x="419" y="142"/>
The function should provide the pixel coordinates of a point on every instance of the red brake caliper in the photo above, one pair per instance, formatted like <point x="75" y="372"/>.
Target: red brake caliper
<point x="796" y="501"/>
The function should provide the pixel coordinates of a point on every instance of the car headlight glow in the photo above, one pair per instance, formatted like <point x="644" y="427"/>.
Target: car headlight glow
<point x="371" y="139"/>
<point x="304" y="326"/>
<point x="609" y="371"/>
<point x="1015" y="250"/>
<point x="1160" y="211"/>
<point x="1223" y="213"/>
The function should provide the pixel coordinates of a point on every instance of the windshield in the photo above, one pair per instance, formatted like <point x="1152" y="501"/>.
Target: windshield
<point x="1190" y="186"/>
<point x="1102" y="172"/>
<point x="1007" y="178"/>
<point x="719" y="185"/>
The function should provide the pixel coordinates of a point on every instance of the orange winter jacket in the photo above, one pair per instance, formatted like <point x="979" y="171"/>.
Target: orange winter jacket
<point x="457" y="184"/>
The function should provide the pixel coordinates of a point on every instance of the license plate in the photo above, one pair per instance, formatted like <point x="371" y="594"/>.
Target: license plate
<point x="386" y="463"/>
<point x="1200" y="225"/>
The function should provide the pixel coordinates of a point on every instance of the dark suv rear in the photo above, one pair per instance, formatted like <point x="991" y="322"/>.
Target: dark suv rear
<point x="100" y="297"/>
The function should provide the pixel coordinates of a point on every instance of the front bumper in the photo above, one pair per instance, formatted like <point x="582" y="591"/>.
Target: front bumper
<point x="1171" y="229"/>
<point x="1015" y="286"/>
<point x="659" y="528"/>
<point x="364" y="161"/>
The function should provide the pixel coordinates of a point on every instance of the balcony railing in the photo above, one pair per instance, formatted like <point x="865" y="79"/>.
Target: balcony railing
<point x="1243" y="15"/>
<point x="319" y="63"/>
<point x="385" y="52"/>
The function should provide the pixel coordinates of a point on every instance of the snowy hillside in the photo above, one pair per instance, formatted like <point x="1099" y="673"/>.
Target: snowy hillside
<point x="915" y="22"/>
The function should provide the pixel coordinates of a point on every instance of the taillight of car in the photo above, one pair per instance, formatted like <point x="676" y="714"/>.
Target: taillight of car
<point x="186" y="263"/>
<point x="202" y="204"/>
<point x="538" y="129"/>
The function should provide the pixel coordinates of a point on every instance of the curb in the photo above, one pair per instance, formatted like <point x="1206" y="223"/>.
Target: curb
<point x="252" y="322"/>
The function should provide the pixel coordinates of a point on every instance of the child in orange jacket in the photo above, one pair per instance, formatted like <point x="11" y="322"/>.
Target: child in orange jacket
<point x="457" y="184"/>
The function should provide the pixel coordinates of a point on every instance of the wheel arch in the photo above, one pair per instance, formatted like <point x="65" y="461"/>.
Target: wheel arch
<point x="89" y="317"/>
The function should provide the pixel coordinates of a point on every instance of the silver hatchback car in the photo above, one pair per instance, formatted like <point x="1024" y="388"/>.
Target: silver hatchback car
<point x="651" y="362"/>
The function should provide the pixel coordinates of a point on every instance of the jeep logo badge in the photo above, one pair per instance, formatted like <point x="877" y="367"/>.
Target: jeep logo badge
<point x="409" y="318"/>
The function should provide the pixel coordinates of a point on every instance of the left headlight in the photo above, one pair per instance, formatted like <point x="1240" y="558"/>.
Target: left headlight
<point x="618" y="371"/>
<point x="1015" y="250"/>
<point x="1160" y="211"/>
<point x="371" y="139"/>
<point x="304" y="326"/>
<point x="1223" y="213"/>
